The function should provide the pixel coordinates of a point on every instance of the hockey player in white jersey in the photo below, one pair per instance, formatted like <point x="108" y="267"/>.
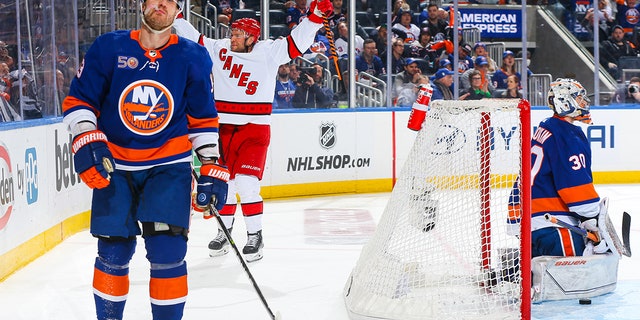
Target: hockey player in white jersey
<point x="244" y="71"/>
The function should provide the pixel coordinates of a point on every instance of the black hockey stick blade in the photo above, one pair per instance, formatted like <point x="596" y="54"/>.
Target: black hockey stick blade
<point x="626" y="227"/>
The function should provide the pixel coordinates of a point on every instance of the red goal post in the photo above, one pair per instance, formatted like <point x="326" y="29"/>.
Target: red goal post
<point x="443" y="248"/>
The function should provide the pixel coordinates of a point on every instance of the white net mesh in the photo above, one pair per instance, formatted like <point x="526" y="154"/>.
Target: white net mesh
<point x="441" y="249"/>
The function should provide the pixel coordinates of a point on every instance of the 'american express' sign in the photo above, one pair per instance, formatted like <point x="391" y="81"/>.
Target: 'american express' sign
<point x="493" y="23"/>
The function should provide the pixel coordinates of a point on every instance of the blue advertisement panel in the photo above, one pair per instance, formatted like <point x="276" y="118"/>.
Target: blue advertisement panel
<point x="493" y="23"/>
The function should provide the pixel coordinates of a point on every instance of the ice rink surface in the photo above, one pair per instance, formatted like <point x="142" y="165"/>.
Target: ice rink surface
<point x="311" y="245"/>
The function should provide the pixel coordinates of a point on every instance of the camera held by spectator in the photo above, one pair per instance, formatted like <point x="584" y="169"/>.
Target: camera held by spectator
<point x="634" y="88"/>
<point x="306" y="76"/>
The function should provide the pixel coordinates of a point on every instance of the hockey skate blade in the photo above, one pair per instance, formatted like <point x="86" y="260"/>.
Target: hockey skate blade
<point x="218" y="253"/>
<point x="251" y="257"/>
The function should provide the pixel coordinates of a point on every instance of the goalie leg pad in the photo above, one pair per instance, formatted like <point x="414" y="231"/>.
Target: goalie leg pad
<point x="559" y="278"/>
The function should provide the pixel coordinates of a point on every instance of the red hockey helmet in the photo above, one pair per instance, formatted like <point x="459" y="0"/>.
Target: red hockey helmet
<point x="251" y="27"/>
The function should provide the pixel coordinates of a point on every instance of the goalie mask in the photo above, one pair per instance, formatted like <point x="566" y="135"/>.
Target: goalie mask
<point x="568" y="98"/>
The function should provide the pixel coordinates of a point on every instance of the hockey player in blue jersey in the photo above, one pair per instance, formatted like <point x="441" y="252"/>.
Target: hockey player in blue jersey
<point x="140" y="103"/>
<point x="562" y="182"/>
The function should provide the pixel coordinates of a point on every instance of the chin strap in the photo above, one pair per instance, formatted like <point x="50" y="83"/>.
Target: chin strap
<point x="584" y="118"/>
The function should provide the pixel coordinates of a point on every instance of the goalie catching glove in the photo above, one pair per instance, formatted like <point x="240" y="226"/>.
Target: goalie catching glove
<point x="595" y="243"/>
<point x="92" y="158"/>
<point x="319" y="10"/>
<point x="212" y="188"/>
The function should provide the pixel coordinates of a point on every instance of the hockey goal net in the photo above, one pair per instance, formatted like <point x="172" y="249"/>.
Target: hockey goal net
<point x="441" y="249"/>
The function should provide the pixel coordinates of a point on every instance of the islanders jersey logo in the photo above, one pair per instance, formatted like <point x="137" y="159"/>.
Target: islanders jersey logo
<point x="632" y="16"/>
<point x="146" y="107"/>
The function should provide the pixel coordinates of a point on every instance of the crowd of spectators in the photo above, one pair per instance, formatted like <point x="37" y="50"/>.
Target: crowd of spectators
<point x="618" y="26"/>
<point x="30" y="94"/>
<point x="35" y="67"/>
<point x="421" y="52"/>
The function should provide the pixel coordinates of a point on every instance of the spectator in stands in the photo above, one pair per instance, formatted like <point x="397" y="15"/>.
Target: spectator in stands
<point x="342" y="41"/>
<point x="296" y="13"/>
<point x="225" y="9"/>
<point x="464" y="58"/>
<point x="478" y="88"/>
<point x="606" y="20"/>
<point x="481" y="65"/>
<point x="513" y="88"/>
<point x="311" y="91"/>
<point x="612" y="49"/>
<point x="445" y="63"/>
<point x="480" y="49"/>
<point x="627" y="15"/>
<point x="285" y="89"/>
<point x="628" y="93"/>
<point x="339" y="13"/>
<point x="407" y="96"/>
<point x="293" y="72"/>
<point x="431" y="18"/>
<point x="404" y="24"/>
<point x="52" y="94"/>
<point x="283" y="5"/>
<point x="4" y="55"/>
<point x="368" y="61"/>
<point x="379" y="35"/>
<point x="442" y="81"/>
<point x="508" y="68"/>
<point x="397" y="57"/>
<point x="27" y="99"/>
<point x="406" y="78"/>
<point x="5" y="81"/>
<point x="320" y="46"/>
<point x="420" y="47"/>
<point x="397" y="6"/>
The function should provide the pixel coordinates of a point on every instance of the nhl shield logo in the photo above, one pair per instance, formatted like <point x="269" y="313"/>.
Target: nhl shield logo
<point x="328" y="135"/>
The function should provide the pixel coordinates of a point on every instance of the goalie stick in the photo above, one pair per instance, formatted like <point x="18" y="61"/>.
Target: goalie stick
<point x="626" y="227"/>
<point x="273" y="316"/>
<point x="587" y="234"/>
<point x="609" y="235"/>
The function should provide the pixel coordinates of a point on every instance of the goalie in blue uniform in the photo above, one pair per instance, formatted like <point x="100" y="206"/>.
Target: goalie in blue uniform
<point x="566" y="264"/>
<point x="562" y="182"/>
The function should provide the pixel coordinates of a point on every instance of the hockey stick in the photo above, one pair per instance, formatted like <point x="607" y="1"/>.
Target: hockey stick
<point x="626" y="226"/>
<point x="235" y="249"/>
<point x="587" y="234"/>
<point x="332" y="46"/>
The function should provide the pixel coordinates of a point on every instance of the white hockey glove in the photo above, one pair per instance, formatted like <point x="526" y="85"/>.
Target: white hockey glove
<point x="594" y="240"/>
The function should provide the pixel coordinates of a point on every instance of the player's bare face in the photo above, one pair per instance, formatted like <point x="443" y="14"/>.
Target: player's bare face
<point x="582" y="102"/>
<point x="239" y="41"/>
<point x="159" y="14"/>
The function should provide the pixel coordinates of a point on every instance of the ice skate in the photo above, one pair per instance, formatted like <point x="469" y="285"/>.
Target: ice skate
<point x="219" y="246"/>
<point x="252" y="251"/>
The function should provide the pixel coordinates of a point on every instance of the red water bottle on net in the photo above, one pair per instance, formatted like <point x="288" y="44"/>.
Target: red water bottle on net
<point x="419" y="109"/>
